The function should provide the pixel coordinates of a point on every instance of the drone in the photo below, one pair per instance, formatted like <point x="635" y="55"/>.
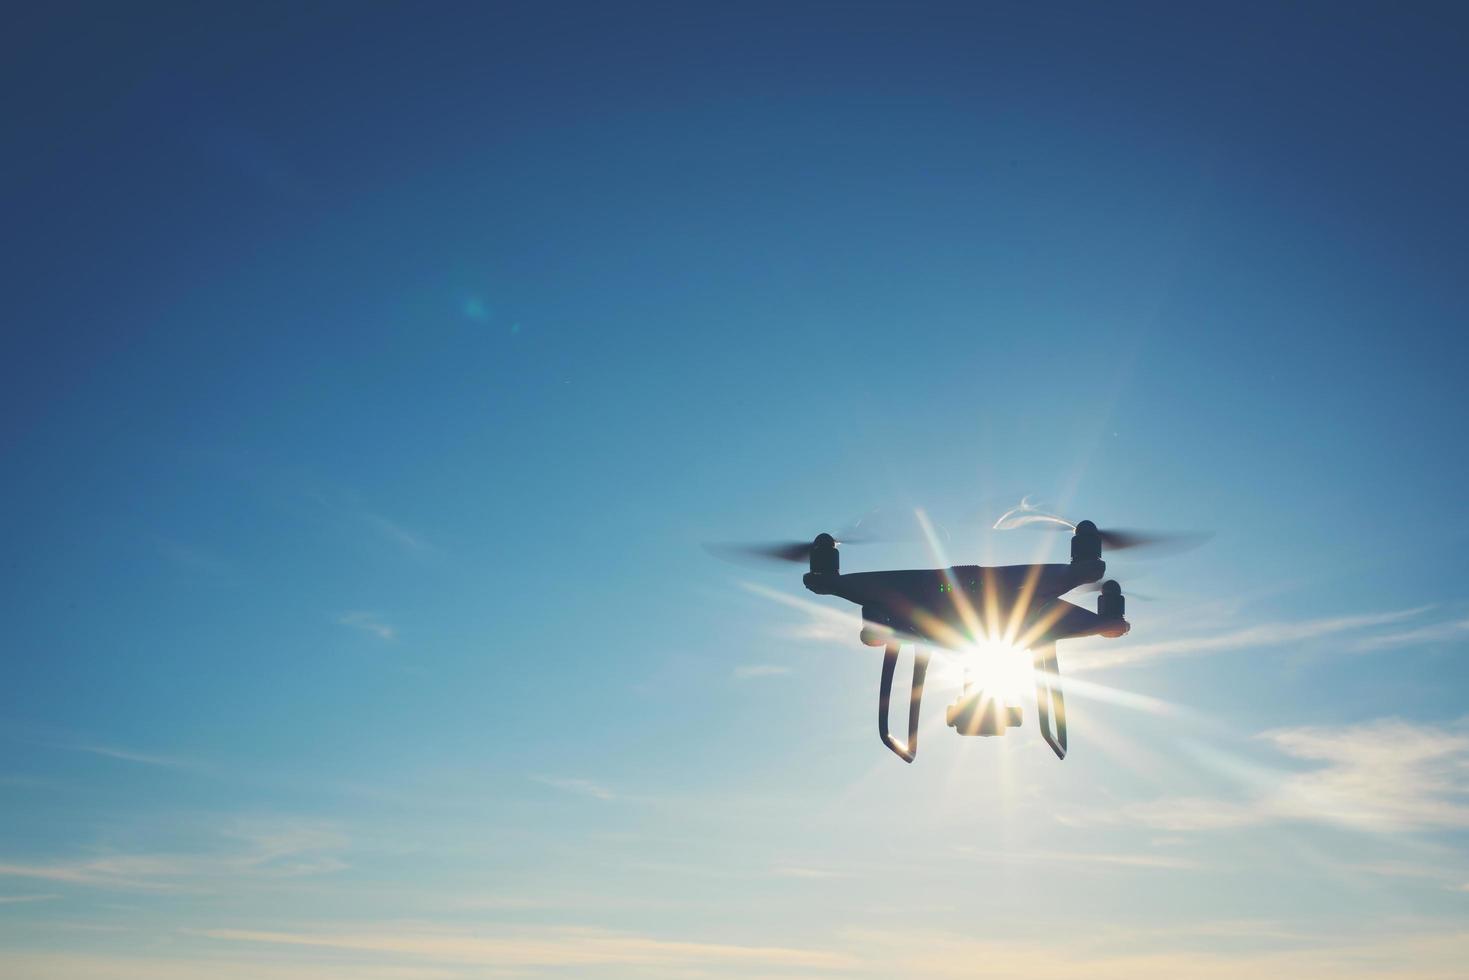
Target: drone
<point x="1013" y="607"/>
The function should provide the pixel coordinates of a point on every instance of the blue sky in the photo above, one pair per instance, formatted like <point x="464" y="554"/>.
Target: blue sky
<point x="373" y="375"/>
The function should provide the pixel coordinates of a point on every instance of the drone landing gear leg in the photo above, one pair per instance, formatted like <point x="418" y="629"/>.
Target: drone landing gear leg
<point x="1048" y="698"/>
<point x="915" y="695"/>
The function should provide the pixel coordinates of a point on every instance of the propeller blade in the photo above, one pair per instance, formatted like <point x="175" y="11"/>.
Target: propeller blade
<point x="873" y="526"/>
<point x="1157" y="542"/>
<point x="1097" y="587"/>
<point x="798" y="552"/>
<point x="792" y="551"/>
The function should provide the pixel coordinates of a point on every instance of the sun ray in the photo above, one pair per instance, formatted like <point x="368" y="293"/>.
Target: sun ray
<point x="1124" y="699"/>
<point x="1137" y="757"/>
<point x="1021" y="608"/>
<point x="1041" y="625"/>
<point x="957" y="592"/>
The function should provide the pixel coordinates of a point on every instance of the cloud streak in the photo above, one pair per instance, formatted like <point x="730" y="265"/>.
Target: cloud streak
<point x="368" y="622"/>
<point x="567" y="947"/>
<point x="581" y="787"/>
<point x="1432" y="633"/>
<point x="1386" y="776"/>
<point x="1437" y="955"/>
<point x="395" y="951"/>
<point x="750" y="671"/>
<point x="822" y="623"/>
<point x="191" y="558"/>
<point x="1251" y="637"/>
<point x="253" y="850"/>
<point x="129" y="755"/>
<point x="1160" y="862"/>
<point x="398" y="534"/>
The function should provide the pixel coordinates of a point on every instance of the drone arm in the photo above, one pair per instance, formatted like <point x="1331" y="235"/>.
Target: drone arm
<point x="906" y="752"/>
<point x="1049" y="700"/>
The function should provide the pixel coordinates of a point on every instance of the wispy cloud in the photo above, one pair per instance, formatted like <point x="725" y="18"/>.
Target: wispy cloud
<point x="810" y="874"/>
<point x="183" y="965"/>
<point x="394" y="951"/>
<point x="261" y="849"/>
<point x="397" y="533"/>
<point x="1260" y="635"/>
<point x="192" y="558"/>
<point x="911" y="952"/>
<point x="19" y="899"/>
<point x="1405" y="869"/>
<point x="368" y="622"/>
<point x="556" y="947"/>
<point x="581" y="787"/>
<point x="286" y="847"/>
<point x="1419" y="636"/>
<point x="1162" y="862"/>
<point x="347" y="507"/>
<point x="1386" y="776"/>
<point x="130" y="755"/>
<point x="139" y="873"/>
<point x="821" y="623"/>
<point x="748" y="671"/>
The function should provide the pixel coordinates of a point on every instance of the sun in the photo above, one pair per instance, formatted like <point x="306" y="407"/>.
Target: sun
<point x="1000" y="669"/>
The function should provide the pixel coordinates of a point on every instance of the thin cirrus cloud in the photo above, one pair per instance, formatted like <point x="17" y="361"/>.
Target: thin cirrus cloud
<point x="397" y="950"/>
<point x="580" y="787"/>
<point x="550" y="947"/>
<point x="368" y="622"/>
<point x="1445" y="873"/>
<point x="1385" y="776"/>
<point x="1421" y="635"/>
<point x="130" y="755"/>
<point x="347" y="508"/>
<point x="192" y="558"/>
<point x="931" y="953"/>
<point x="1257" y="636"/>
<point x="243" y="850"/>
<point x="1078" y="859"/>
<point x="808" y="874"/>
<point x="76" y="965"/>
<point x="410" y="541"/>
<point x="821" y="624"/>
<point x="750" y="671"/>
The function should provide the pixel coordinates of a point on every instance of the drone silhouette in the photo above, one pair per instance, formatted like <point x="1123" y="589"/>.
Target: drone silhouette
<point x="1015" y="607"/>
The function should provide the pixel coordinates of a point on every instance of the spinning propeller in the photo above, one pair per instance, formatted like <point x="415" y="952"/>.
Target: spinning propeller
<point x="864" y="530"/>
<point x="792" y="551"/>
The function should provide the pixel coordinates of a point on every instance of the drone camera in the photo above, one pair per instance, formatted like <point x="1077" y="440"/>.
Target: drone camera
<point x="877" y="631"/>
<point x="976" y="713"/>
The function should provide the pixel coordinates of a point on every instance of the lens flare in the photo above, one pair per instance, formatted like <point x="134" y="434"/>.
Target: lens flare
<point x="1001" y="670"/>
